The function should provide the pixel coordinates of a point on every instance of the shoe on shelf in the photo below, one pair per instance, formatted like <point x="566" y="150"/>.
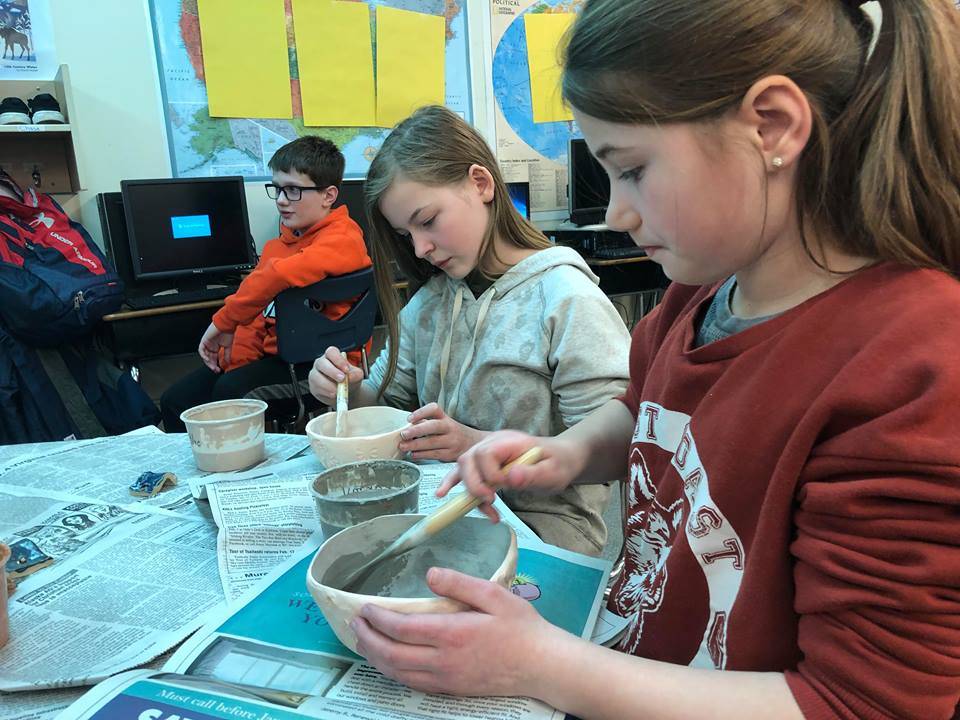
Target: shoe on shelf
<point x="45" y="110"/>
<point x="14" y="111"/>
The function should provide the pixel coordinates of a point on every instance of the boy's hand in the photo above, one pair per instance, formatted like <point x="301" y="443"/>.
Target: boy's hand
<point x="213" y="339"/>
<point x="434" y="435"/>
<point x="328" y="370"/>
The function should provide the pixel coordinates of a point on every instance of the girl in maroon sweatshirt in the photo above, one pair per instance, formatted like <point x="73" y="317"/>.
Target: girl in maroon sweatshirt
<point x="791" y="434"/>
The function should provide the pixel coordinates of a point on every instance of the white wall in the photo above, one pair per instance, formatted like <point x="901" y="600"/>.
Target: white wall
<point x="121" y="133"/>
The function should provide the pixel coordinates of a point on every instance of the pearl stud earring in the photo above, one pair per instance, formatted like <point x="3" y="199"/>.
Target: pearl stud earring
<point x="777" y="162"/>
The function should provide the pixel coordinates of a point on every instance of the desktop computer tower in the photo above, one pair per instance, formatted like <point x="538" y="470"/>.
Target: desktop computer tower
<point x="117" y="246"/>
<point x="114" y="226"/>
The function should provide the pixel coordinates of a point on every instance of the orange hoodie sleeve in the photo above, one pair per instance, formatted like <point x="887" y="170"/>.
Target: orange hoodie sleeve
<point x="337" y="249"/>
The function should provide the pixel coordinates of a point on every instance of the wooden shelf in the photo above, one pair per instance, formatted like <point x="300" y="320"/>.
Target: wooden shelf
<point x="44" y="151"/>
<point x="51" y="128"/>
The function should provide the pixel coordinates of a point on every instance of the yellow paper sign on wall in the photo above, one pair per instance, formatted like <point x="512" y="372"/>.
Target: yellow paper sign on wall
<point x="545" y="33"/>
<point x="335" y="61"/>
<point x="245" y="58"/>
<point x="410" y="63"/>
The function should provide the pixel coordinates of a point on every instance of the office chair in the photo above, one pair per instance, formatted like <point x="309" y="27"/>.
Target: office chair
<point x="304" y="332"/>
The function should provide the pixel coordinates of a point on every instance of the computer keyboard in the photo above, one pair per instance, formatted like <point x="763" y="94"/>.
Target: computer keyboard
<point x="145" y="302"/>
<point x="612" y="253"/>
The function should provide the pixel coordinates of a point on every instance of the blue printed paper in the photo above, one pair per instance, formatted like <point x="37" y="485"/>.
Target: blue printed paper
<point x="154" y="701"/>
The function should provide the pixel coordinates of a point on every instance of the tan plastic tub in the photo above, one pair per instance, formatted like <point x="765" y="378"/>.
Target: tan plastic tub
<point x="226" y="435"/>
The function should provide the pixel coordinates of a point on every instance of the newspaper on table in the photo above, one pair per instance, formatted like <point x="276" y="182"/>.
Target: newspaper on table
<point x="125" y="586"/>
<point x="49" y="704"/>
<point x="78" y="468"/>
<point x="241" y="666"/>
<point x="262" y="520"/>
<point x="265" y="518"/>
<point x="123" y="579"/>
<point x="38" y="705"/>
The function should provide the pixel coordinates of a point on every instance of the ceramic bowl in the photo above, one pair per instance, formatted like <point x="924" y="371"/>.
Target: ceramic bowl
<point x="356" y="492"/>
<point x="373" y="433"/>
<point x="226" y="435"/>
<point x="473" y="545"/>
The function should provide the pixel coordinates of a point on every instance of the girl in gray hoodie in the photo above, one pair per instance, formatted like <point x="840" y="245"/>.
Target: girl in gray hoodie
<point x="503" y="330"/>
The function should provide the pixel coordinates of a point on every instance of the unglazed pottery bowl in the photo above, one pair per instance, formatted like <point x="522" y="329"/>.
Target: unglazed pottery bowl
<point x="356" y="492"/>
<point x="471" y="545"/>
<point x="226" y="435"/>
<point x="372" y="433"/>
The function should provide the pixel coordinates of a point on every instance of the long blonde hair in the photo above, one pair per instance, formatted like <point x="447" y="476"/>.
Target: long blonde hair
<point x="881" y="171"/>
<point x="434" y="147"/>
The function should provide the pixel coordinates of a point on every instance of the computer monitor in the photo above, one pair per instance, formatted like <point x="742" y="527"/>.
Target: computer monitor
<point x="588" y="185"/>
<point x="351" y="195"/>
<point x="520" y="195"/>
<point x="187" y="227"/>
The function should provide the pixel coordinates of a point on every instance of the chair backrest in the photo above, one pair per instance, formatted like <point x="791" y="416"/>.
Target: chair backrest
<point x="304" y="332"/>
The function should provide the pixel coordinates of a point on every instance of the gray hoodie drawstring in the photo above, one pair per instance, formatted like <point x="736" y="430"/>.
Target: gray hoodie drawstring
<point x="485" y="301"/>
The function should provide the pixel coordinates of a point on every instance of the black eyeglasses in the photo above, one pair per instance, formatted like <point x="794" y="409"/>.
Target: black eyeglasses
<point x="291" y="192"/>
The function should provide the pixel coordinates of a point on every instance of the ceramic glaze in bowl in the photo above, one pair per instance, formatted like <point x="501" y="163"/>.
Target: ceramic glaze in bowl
<point x="373" y="433"/>
<point x="474" y="546"/>
<point x="226" y="435"/>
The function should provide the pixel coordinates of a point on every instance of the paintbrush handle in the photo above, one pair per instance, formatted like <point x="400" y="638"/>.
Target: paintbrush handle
<point x="448" y="513"/>
<point x="459" y="505"/>
<point x="343" y="395"/>
<point x="451" y="511"/>
<point x="530" y="457"/>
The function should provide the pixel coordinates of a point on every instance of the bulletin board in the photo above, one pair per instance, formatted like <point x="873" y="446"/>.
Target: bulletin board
<point x="201" y="145"/>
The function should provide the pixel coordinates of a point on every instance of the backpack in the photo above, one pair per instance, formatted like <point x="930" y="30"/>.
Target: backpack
<point x="30" y="408"/>
<point x="55" y="283"/>
<point x="66" y="393"/>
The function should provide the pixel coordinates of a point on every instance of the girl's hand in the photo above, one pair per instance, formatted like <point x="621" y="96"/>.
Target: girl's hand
<point x="491" y="649"/>
<point x="480" y="468"/>
<point x="434" y="435"/>
<point x="328" y="370"/>
<point x="213" y="339"/>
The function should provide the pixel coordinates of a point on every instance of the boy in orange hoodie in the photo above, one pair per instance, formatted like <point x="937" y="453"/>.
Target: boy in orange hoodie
<point x="239" y="349"/>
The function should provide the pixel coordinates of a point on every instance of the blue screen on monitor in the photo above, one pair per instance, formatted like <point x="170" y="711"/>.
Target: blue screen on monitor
<point x="190" y="226"/>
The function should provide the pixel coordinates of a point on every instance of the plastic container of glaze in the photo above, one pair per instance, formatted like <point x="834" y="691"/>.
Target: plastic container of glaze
<point x="226" y="435"/>
<point x="356" y="492"/>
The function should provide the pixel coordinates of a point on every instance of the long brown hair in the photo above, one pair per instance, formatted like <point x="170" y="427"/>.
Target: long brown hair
<point x="881" y="170"/>
<point x="434" y="147"/>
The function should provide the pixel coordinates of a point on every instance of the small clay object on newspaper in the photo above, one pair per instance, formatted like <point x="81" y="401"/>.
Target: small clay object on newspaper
<point x="25" y="558"/>
<point x="151" y="483"/>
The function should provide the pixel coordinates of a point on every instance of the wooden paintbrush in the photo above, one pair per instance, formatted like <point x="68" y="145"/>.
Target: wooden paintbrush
<point x="443" y="516"/>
